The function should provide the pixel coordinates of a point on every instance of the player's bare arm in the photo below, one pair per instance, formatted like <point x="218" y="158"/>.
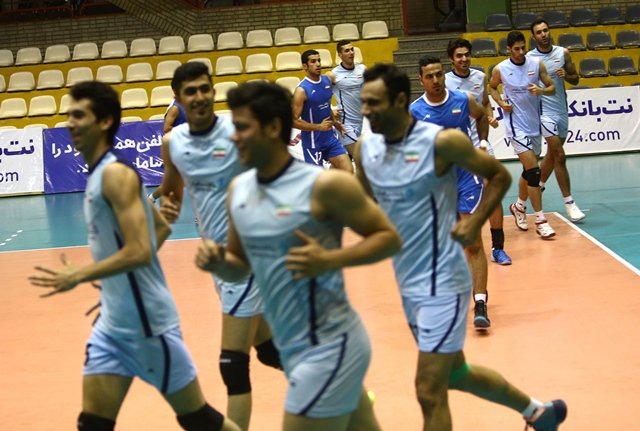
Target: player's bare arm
<point x="569" y="70"/>
<point x="172" y="185"/>
<point x="299" y="99"/>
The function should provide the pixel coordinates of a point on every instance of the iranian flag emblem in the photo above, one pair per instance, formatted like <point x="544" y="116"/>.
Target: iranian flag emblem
<point x="219" y="153"/>
<point x="456" y="111"/>
<point x="411" y="156"/>
<point x="283" y="210"/>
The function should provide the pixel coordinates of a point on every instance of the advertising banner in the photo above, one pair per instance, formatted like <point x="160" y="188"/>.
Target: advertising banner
<point x="21" y="161"/>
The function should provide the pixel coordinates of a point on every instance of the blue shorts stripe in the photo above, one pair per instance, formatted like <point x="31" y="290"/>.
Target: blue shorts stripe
<point x="167" y="365"/>
<point x="246" y="291"/>
<point x="451" y="325"/>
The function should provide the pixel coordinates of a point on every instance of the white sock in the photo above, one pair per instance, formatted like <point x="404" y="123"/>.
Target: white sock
<point x="480" y="297"/>
<point x="542" y="184"/>
<point x="531" y="409"/>
<point x="568" y="200"/>
<point x="522" y="205"/>
<point x="540" y="216"/>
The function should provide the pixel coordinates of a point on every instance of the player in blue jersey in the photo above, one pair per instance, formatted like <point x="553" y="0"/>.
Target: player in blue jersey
<point x="201" y="156"/>
<point x="521" y="78"/>
<point x="286" y="220"/>
<point x="409" y="167"/>
<point x="555" y="117"/>
<point x="137" y="333"/>
<point x="312" y="114"/>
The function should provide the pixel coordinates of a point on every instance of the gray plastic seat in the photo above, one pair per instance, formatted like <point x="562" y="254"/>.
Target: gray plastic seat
<point x="599" y="40"/>
<point x="628" y="39"/>
<point x="582" y="17"/>
<point x="483" y="47"/>
<point x="497" y="22"/>
<point x="477" y="67"/>
<point x="608" y="15"/>
<point x="523" y="20"/>
<point x="592" y="67"/>
<point x="633" y="14"/>
<point x="555" y="18"/>
<point x="622" y="65"/>
<point x="572" y="41"/>
<point x="502" y="46"/>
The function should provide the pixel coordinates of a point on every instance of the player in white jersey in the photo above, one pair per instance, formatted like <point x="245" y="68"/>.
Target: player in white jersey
<point x="347" y="82"/>
<point x="137" y="333"/>
<point x="409" y="167"/>
<point x="555" y="117"/>
<point x="200" y="154"/>
<point x="286" y="220"/>
<point x="521" y="78"/>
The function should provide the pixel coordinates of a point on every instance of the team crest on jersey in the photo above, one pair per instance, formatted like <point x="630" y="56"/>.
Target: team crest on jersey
<point x="411" y="157"/>
<point x="456" y="111"/>
<point x="219" y="152"/>
<point x="283" y="210"/>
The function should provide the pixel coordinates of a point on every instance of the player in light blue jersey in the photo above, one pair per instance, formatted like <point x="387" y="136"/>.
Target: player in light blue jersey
<point x="137" y="333"/>
<point x="286" y="223"/>
<point x="555" y="116"/>
<point x="521" y="78"/>
<point x="409" y="167"/>
<point x="200" y="154"/>
<point x="347" y="82"/>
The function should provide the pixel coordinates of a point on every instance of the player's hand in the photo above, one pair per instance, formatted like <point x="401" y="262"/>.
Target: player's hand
<point x="339" y="127"/>
<point x="307" y="260"/>
<point x="58" y="281"/>
<point x="326" y="125"/>
<point x="561" y="73"/>
<point x="210" y="255"/>
<point x="169" y="207"/>
<point x="506" y="107"/>
<point x="493" y="122"/>
<point x="465" y="231"/>
<point x="534" y="90"/>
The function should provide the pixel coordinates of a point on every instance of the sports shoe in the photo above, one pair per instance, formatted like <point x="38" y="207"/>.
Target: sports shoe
<point x="480" y="319"/>
<point x="574" y="212"/>
<point x="500" y="257"/>
<point x="520" y="216"/>
<point x="544" y="229"/>
<point x="548" y="417"/>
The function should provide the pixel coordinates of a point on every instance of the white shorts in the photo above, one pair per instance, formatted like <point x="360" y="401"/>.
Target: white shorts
<point x="555" y="126"/>
<point x="240" y="298"/>
<point x="326" y="380"/>
<point x="351" y="133"/>
<point x="162" y="361"/>
<point x="521" y="144"/>
<point x="438" y="323"/>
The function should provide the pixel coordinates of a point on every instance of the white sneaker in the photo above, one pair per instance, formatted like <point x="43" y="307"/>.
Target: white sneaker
<point x="520" y="216"/>
<point x="574" y="212"/>
<point x="544" y="229"/>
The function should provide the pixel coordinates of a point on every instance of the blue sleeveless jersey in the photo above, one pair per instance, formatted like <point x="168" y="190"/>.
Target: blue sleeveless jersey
<point x="181" y="118"/>
<point x="316" y="108"/>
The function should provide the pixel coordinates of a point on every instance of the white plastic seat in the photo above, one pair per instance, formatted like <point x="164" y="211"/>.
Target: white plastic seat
<point x="3" y="84"/>
<point x="114" y="49"/>
<point x="288" y="82"/>
<point x="130" y="119"/>
<point x="346" y="31"/>
<point x="6" y="57"/>
<point x="166" y="68"/>
<point x="142" y="46"/>
<point x="205" y="61"/>
<point x="85" y="51"/>
<point x="134" y="98"/>
<point x="79" y="74"/>
<point x="357" y="56"/>
<point x="200" y="42"/>
<point x="325" y="57"/>
<point x="30" y="55"/>
<point x="259" y="39"/>
<point x="171" y="45"/>
<point x="8" y="127"/>
<point x="36" y="126"/>
<point x="13" y="108"/>
<point x="256" y="63"/>
<point x="157" y="117"/>
<point x="228" y="65"/>
<point x="57" y="54"/>
<point x="229" y="40"/>
<point x="42" y="105"/>
<point x="288" y="60"/>
<point x="222" y="88"/>
<point x="375" y="30"/>
<point x="50" y="79"/>
<point x="287" y="36"/>
<point x="137" y="72"/>
<point x="21" y="81"/>
<point x="161" y="96"/>
<point x="65" y="101"/>
<point x="109" y="74"/>
<point x="61" y="124"/>
<point x="317" y="34"/>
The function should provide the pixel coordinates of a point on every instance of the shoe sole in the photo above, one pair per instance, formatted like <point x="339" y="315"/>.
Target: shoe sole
<point x="560" y="408"/>
<point x="513" y="213"/>
<point x="546" y="236"/>
<point x="481" y="324"/>
<point x="577" y="220"/>
<point x="505" y="263"/>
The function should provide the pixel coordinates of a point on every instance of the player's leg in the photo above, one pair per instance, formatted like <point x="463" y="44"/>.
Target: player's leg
<point x="334" y="153"/>
<point x="432" y="385"/>
<point x="363" y="419"/>
<point x="266" y="350"/>
<point x="531" y="175"/>
<point x="496" y="221"/>
<point x="102" y="397"/>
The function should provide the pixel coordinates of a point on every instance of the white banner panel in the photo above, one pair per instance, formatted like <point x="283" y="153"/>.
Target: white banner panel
<point x="21" y="166"/>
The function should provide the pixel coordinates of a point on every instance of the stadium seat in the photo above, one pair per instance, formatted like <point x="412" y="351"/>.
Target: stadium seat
<point x="62" y="124"/>
<point x="555" y="18"/>
<point x="345" y="31"/>
<point x="42" y="105"/>
<point x="142" y="47"/>
<point x="114" y="49"/>
<point x="13" y="108"/>
<point x="222" y="88"/>
<point x="134" y="98"/>
<point x="21" y="81"/>
<point x="287" y="36"/>
<point x="523" y="20"/>
<point x="161" y="96"/>
<point x="599" y="40"/>
<point x="288" y="82"/>
<point x="165" y="69"/>
<point x="157" y="117"/>
<point x="611" y="85"/>
<point x="3" y="84"/>
<point x="8" y="127"/>
<point x="228" y="65"/>
<point x="30" y="55"/>
<point x="483" y="47"/>
<point x="203" y="60"/>
<point x="608" y="15"/>
<point x="502" y="46"/>
<point x="200" y="42"/>
<point x="65" y="100"/>
<point x="580" y="87"/>
<point x="50" y="79"/>
<point x="109" y="74"/>
<point x="137" y="72"/>
<point x="316" y="34"/>
<point x="582" y="17"/>
<point x="57" y="54"/>
<point x="289" y="60"/>
<point x="628" y="39"/>
<point x="230" y="40"/>
<point x="357" y="56"/>
<point x="259" y="39"/>
<point x="622" y="65"/>
<point x="257" y="63"/>
<point x="130" y="119"/>
<point x="572" y="41"/>
<point x="6" y="57"/>
<point x="85" y="51"/>
<point x="591" y="67"/>
<point x="78" y="74"/>
<point x="497" y="22"/>
<point x="633" y="14"/>
<point x="36" y="126"/>
<point x="325" y="58"/>
<point x="171" y="45"/>
<point x="375" y="30"/>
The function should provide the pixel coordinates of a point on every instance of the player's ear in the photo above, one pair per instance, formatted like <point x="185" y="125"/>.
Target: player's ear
<point x="274" y="128"/>
<point x="401" y="99"/>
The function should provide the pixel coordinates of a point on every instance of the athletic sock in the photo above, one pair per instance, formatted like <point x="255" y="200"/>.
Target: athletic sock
<point x="521" y="204"/>
<point x="542" y="183"/>
<point x="480" y="297"/>
<point x="497" y="239"/>
<point x="568" y="200"/>
<point x="540" y="216"/>
<point x="534" y="405"/>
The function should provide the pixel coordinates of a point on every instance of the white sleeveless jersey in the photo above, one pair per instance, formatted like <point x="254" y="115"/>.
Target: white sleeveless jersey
<point x="474" y="84"/>
<point x="423" y="208"/>
<point x="347" y="92"/>
<point x="524" y="120"/>
<point x="556" y="105"/>
<point x="136" y="303"/>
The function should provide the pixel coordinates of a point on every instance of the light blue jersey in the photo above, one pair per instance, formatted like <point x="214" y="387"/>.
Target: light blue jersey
<point x="422" y="206"/>
<point x="474" y="84"/>
<point x="136" y="303"/>
<point x="524" y="120"/>
<point x="348" y="83"/>
<point x="556" y="105"/>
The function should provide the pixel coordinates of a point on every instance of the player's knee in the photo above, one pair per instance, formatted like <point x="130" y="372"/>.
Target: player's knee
<point x="532" y="176"/>
<point x="458" y="375"/>
<point x="205" y="419"/>
<point x="91" y="422"/>
<point x="234" y="368"/>
<point x="268" y="354"/>
<point x="431" y="395"/>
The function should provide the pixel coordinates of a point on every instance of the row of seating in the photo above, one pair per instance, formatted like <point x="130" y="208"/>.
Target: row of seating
<point x="578" y="17"/>
<point x="196" y="43"/>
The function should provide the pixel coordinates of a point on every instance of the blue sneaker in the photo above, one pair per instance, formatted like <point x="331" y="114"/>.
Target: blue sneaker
<point x="500" y="257"/>
<point x="549" y="416"/>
